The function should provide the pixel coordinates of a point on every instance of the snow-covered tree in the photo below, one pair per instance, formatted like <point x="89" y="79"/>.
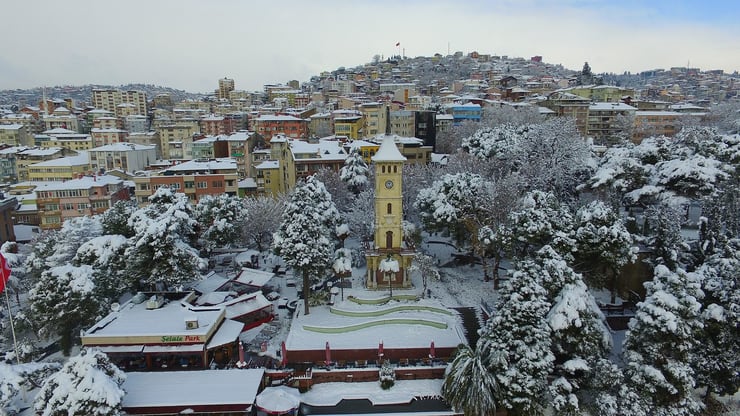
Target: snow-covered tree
<point x="537" y="220"/>
<point x="107" y="257"/>
<point x="305" y="236"/>
<point x="220" y="219"/>
<point x="427" y="269"/>
<point x="355" y="171"/>
<point x="658" y="346"/>
<point x="602" y="245"/>
<point x="161" y="252"/>
<point x="336" y="187"/>
<point x="74" y="233"/>
<point x="516" y="346"/>
<point x="716" y="358"/>
<point x="360" y="215"/>
<point x="495" y="142"/>
<point x="261" y="220"/>
<point x="469" y="386"/>
<point x="16" y="378"/>
<point x="63" y="301"/>
<point x="461" y="204"/>
<point x="88" y="384"/>
<point x="115" y="219"/>
<point x="663" y="235"/>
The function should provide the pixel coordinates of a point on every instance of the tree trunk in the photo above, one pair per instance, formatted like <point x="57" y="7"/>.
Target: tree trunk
<point x="65" y="340"/>
<point x="306" y="291"/>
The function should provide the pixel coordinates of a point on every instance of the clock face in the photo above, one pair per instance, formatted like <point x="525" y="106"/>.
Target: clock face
<point x="389" y="184"/>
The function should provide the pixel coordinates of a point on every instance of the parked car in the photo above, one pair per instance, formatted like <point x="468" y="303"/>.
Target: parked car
<point x="272" y="296"/>
<point x="283" y="303"/>
<point x="290" y="282"/>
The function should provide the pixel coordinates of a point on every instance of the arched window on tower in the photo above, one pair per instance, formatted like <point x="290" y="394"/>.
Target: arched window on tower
<point x="395" y="169"/>
<point x="390" y="208"/>
<point x="383" y="168"/>
<point x="389" y="239"/>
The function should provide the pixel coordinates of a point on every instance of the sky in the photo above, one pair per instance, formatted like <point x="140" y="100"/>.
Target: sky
<point x="190" y="44"/>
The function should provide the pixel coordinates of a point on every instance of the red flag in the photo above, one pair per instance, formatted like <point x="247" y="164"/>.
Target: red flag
<point x="4" y="272"/>
<point x="398" y="43"/>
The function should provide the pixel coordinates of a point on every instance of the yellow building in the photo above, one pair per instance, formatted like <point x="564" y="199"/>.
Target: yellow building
<point x="176" y="140"/>
<point x="349" y="126"/>
<point x="66" y="139"/>
<point x="375" y="120"/>
<point x="389" y="260"/>
<point x="29" y="157"/>
<point x="15" y="135"/>
<point x="110" y="99"/>
<point x="62" y="169"/>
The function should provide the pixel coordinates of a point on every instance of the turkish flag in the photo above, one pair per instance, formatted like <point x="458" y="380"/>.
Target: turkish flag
<point x="4" y="272"/>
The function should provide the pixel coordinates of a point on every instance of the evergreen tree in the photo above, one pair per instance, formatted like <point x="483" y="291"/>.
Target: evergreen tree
<point x="64" y="301"/>
<point x="161" y="254"/>
<point x="664" y="236"/>
<point x="304" y="238"/>
<point x="107" y="257"/>
<point x="355" y="171"/>
<point x="658" y="346"/>
<point x="716" y="359"/>
<point x="515" y="344"/>
<point x="87" y="385"/>
<point x="115" y="219"/>
<point x="220" y="220"/>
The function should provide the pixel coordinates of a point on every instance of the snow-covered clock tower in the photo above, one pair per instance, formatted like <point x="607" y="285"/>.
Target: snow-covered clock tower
<point x="389" y="260"/>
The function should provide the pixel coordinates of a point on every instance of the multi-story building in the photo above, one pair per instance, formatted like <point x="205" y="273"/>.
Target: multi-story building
<point x="61" y="119"/>
<point x="465" y="112"/>
<point x="86" y="195"/>
<point x="225" y="87"/>
<point x="566" y="104"/>
<point x="128" y="157"/>
<point x="61" y="169"/>
<point x="320" y="125"/>
<point x="8" y="206"/>
<point x="150" y="138"/>
<point x="176" y="140"/>
<point x="26" y="157"/>
<point x="271" y="125"/>
<point x="213" y="125"/>
<point x="15" y="135"/>
<point x="111" y="99"/>
<point x="350" y="126"/>
<point x="101" y="137"/>
<point x="403" y="123"/>
<point x="106" y="122"/>
<point x="291" y="160"/>
<point x="8" y="163"/>
<point x="655" y="123"/>
<point x="136" y="124"/>
<point x="66" y="139"/>
<point x="374" y="113"/>
<point x="26" y="120"/>
<point x="194" y="178"/>
<point x="606" y="120"/>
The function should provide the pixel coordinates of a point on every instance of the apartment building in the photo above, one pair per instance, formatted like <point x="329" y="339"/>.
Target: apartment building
<point x="271" y="125"/>
<point x="655" y="123"/>
<point x="225" y="87"/>
<point x="566" y="104"/>
<point x="176" y="140"/>
<point x="194" y="178"/>
<point x="375" y="117"/>
<point x="111" y="100"/>
<point x="64" y="138"/>
<point x="61" y="169"/>
<point x="128" y="157"/>
<point x="101" y="137"/>
<point x="61" y="118"/>
<point x="8" y="206"/>
<point x="351" y="126"/>
<point x="607" y="119"/>
<point x="27" y="157"/>
<point x="86" y="195"/>
<point x="15" y="135"/>
<point x="213" y="125"/>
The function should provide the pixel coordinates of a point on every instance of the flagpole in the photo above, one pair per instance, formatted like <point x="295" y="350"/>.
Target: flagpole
<point x="10" y="317"/>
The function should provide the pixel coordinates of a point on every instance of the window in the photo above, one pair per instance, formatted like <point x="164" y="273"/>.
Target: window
<point x="68" y="206"/>
<point x="389" y="208"/>
<point x="202" y="185"/>
<point x="217" y="184"/>
<point x="189" y="184"/>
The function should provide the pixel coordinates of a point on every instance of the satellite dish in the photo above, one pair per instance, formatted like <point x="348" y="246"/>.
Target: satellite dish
<point x="115" y="306"/>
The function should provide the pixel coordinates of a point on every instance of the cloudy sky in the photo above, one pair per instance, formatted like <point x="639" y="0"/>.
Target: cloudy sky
<point x="190" y="44"/>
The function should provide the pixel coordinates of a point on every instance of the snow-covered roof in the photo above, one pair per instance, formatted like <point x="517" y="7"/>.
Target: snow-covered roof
<point x="444" y="117"/>
<point x="85" y="182"/>
<point x="184" y="389"/>
<point x="403" y="391"/>
<point x="246" y="304"/>
<point x="202" y="165"/>
<point x="268" y="164"/>
<point x="58" y="130"/>
<point x="602" y="106"/>
<point x="254" y="277"/>
<point x="135" y="320"/>
<point x="388" y="151"/>
<point x="10" y="126"/>
<point x="247" y="183"/>
<point x="324" y="149"/>
<point x="265" y="117"/>
<point x="44" y="151"/>
<point x="80" y="159"/>
<point x="122" y="147"/>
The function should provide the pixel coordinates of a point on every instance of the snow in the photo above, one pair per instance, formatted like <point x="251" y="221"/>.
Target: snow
<point x="403" y="391"/>
<point x="388" y="151"/>
<point x="186" y="388"/>
<point x="281" y="399"/>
